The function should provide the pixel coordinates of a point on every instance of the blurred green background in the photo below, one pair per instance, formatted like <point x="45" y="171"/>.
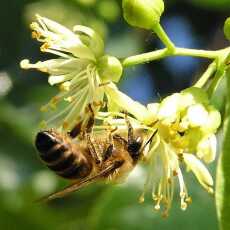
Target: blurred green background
<point x="23" y="178"/>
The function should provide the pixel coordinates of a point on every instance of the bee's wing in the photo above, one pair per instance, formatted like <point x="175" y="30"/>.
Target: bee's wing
<point x="83" y="183"/>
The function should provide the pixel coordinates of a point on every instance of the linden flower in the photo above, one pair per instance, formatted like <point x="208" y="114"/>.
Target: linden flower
<point x="80" y="69"/>
<point x="185" y="135"/>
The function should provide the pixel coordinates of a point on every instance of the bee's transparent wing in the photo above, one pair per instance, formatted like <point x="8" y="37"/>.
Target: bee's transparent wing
<point x="74" y="187"/>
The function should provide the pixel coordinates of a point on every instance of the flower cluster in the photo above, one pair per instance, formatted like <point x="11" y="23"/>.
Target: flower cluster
<point x="182" y="126"/>
<point x="185" y="135"/>
<point x="81" y="68"/>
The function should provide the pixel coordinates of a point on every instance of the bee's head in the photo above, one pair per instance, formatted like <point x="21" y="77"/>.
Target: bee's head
<point x="134" y="148"/>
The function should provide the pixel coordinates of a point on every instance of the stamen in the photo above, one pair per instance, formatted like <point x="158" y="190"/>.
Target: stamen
<point x="45" y="47"/>
<point x="40" y="20"/>
<point x="56" y="52"/>
<point x="36" y="35"/>
<point x="65" y="86"/>
<point x="78" y="107"/>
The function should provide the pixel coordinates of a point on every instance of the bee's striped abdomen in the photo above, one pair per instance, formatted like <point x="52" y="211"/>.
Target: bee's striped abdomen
<point x="60" y="156"/>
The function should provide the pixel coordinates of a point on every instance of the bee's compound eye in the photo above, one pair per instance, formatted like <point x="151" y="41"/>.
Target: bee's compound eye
<point x="134" y="147"/>
<point x="44" y="141"/>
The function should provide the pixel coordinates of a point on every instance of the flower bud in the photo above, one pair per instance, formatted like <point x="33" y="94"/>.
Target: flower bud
<point x="109" y="68"/>
<point x="142" y="13"/>
<point x="227" y="28"/>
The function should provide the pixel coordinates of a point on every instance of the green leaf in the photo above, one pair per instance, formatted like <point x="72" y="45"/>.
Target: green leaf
<point x="223" y="171"/>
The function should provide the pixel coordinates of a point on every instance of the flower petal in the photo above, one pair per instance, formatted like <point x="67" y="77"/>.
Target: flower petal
<point x="55" y="27"/>
<point x="169" y="108"/>
<point x="201" y="172"/>
<point x="126" y="103"/>
<point x="57" y="66"/>
<point x="94" y="41"/>
<point x="197" y="115"/>
<point x="213" y="120"/>
<point x="206" y="148"/>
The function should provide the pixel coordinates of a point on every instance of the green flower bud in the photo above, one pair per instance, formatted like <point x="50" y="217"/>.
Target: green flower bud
<point x="142" y="13"/>
<point x="227" y="28"/>
<point x="109" y="68"/>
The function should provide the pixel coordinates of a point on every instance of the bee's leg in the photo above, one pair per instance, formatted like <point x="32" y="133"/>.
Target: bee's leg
<point x="87" y="134"/>
<point x="104" y="84"/>
<point x="90" y="121"/>
<point x="78" y="127"/>
<point x="101" y="104"/>
<point x="92" y="149"/>
<point x="120" y="139"/>
<point x="109" y="150"/>
<point x="76" y="130"/>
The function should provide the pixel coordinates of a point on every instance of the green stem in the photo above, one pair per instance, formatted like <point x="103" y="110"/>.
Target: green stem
<point x="162" y="53"/>
<point x="145" y="58"/>
<point x="207" y="74"/>
<point x="164" y="37"/>
<point x="197" y="53"/>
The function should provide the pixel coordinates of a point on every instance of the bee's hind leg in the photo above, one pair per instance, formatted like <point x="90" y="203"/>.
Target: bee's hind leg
<point x="76" y="130"/>
<point x="86" y="127"/>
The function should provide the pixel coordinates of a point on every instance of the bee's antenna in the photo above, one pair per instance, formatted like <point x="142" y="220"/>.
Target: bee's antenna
<point x="149" y="140"/>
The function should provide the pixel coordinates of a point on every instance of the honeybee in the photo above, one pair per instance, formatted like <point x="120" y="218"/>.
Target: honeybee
<point x="93" y="158"/>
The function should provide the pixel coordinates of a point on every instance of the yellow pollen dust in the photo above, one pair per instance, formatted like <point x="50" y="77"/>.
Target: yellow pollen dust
<point x="65" y="86"/>
<point x="188" y="200"/>
<point x="44" y="47"/>
<point x="44" y="108"/>
<point x="141" y="199"/>
<point x="55" y="100"/>
<point x="175" y="173"/>
<point x="36" y="35"/>
<point x="65" y="125"/>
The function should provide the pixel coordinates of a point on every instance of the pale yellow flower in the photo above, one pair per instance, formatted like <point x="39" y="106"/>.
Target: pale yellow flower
<point x="80" y="69"/>
<point x="185" y="135"/>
